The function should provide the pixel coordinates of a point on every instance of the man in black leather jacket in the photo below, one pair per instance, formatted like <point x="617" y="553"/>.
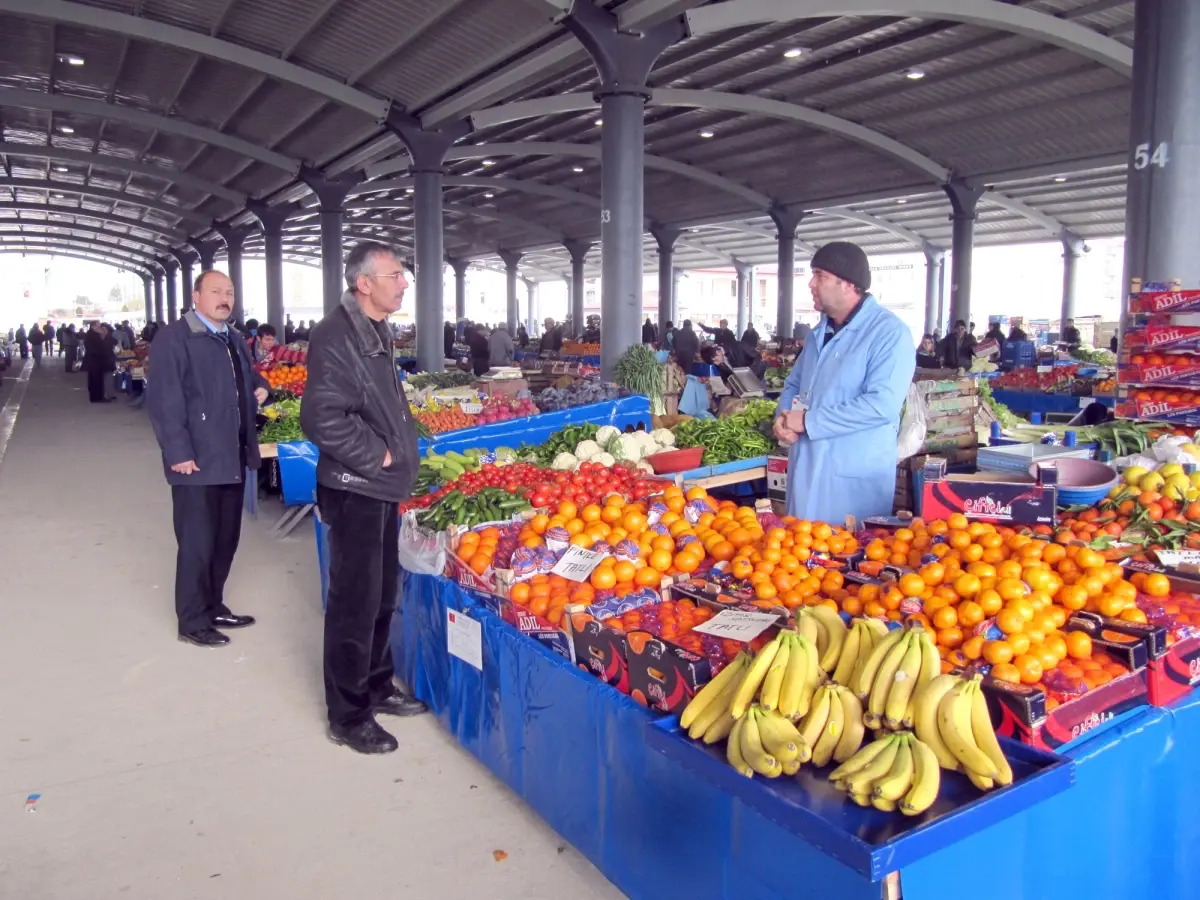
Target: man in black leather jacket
<point x="355" y="412"/>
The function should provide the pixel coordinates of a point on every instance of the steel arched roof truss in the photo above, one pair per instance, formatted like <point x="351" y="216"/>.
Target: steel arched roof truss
<point x="129" y="199"/>
<point x="170" y="234"/>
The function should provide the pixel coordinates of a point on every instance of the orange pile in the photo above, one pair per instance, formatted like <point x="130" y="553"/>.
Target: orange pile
<point x="286" y="378"/>
<point x="477" y="548"/>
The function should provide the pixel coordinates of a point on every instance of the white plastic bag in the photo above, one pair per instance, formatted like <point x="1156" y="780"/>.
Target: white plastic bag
<point x="421" y="552"/>
<point x="912" y="425"/>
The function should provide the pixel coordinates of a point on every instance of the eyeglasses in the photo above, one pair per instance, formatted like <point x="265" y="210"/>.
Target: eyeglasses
<point x="395" y="276"/>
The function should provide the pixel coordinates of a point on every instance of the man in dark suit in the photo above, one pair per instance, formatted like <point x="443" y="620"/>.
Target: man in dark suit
<point x="203" y="395"/>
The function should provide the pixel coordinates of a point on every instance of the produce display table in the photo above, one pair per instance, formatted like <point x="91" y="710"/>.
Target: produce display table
<point x="737" y="472"/>
<point x="577" y="752"/>
<point x="1041" y="402"/>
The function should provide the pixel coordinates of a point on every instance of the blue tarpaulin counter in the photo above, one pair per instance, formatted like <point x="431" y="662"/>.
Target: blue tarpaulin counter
<point x="1041" y="402"/>
<point x="577" y="752"/>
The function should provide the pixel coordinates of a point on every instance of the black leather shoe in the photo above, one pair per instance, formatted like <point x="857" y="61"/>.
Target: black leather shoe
<point x="400" y="704"/>
<point x="368" y="737"/>
<point x="205" y="637"/>
<point x="232" y="621"/>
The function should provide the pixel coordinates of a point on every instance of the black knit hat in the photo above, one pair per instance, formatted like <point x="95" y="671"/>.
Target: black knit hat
<point x="845" y="260"/>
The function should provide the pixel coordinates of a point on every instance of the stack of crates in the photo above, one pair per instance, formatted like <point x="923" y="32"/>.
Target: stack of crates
<point x="1018" y="355"/>
<point x="951" y="404"/>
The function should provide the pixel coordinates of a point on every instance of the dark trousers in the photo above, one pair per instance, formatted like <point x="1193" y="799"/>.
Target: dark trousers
<point x="37" y="353"/>
<point x="208" y="525"/>
<point x="95" y="380"/>
<point x="70" y="359"/>
<point x="363" y="585"/>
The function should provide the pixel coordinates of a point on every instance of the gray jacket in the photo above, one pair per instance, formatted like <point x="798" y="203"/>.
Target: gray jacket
<point x="500" y="345"/>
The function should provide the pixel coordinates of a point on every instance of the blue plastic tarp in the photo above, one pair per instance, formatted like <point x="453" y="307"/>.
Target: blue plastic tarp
<point x="298" y="472"/>
<point x="1041" y="402"/>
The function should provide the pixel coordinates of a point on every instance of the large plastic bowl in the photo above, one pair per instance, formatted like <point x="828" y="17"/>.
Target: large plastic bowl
<point x="1081" y="482"/>
<point x="671" y="461"/>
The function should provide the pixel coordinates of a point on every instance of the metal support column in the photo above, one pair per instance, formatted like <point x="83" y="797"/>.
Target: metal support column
<point x="235" y="239"/>
<point x="786" y="220"/>
<point x="744" y="274"/>
<point x="158" y="296"/>
<point x="149" y="297"/>
<point x="964" y="199"/>
<point x="934" y="260"/>
<point x="460" y="267"/>
<point x="676" y="293"/>
<point x="171" y="269"/>
<point x="273" y="219"/>
<point x="1073" y="249"/>
<point x="623" y="61"/>
<point x="207" y="253"/>
<point x="531" y="305"/>
<point x="331" y="192"/>
<point x="511" y="260"/>
<point x="186" y="260"/>
<point x="665" y="238"/>
<point x="1162" y="214"/>
<point x="579" y="251"/>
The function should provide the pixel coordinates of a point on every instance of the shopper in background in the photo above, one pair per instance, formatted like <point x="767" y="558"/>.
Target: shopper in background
<point x="1070" y="336"/>
<point x="501" y="351"/>
<point x="649" y="333"/>
<point x="289" y="330"/>
<point x="481" y="352"/>
<point x="355" y="412"/>
<point x="1017" y="333"/>
<point x="264" y="346"/>
<point x="69" y="343"/>
<point x="448" y="335"/>
<point x="23" y="341"/>
<point x="958" y="349"/>
<point x="203" y="396"/>
<point x="302" y="332"/>
<point x="667" y="341"/>
<point x="37" y="337"/>
<point x="522" y="336"/>
<point x="1113" y="342"/>
<point x="49" y="333"/>
<point x="927" y="355"/>
<point x="840" y="408"/>
<point x="98" y="361"/>
<point x="552" y="336"/>
<point x="719" y="333"/>
<point x="687" y="346"/>
<point x="995" y="334"/>
<point x="750" y="336"/>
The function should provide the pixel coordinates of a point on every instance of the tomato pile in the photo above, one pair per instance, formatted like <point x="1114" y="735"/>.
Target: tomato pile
<point x="543" y="487"/>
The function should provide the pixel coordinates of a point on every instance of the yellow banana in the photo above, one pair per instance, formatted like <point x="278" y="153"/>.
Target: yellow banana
<point x="813" y="725"/>
<point x="985" y="735"/>
<point x="853" y="729"/>
<point x="877" y="626"/>
<point x="748" y="688"/>
<point x="927" y="780"/>
<point x="712" y="712"/>
<point x="752" y="749"/>
<point x="868" y="638"/>
<point x="831" y="734"/>
<point x="768" y="697"/>
<point x="793" y="697"/>
<point x="931" y="663"/>
<point x="861" y="799"/>
<point x="866" y="674"/>
<point x="897" y="782"/>
<point x="733" y="749"/>
<point x="835" y="632"/>
<point x="848" y="661"/>
<point x="720" y="729"/>
<point x="925" y="721"/>
<point x="862" y="781"/>
<point x="884" y="805"/>
<point x="984" y="784"/>
<point x="954" y="723"/>
<point x="859" y="760"/>
<point x="903" y="682"/>
<point x="807" y="626"/>
<point x="713" y="689"/>
<point x="779" y="737"/>
<point x="886" y="676"/>
<point x="791" y="768"/>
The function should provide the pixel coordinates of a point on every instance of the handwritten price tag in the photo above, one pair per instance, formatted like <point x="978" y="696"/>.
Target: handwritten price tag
<point x="736" y="625"/>
<point x="471" y="409"/>
<point x="1177" y="557"/>
<point x="577" y="564"/>
<point x="464" y="638"/>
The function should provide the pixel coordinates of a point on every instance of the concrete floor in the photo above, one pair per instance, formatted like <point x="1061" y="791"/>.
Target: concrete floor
<point x="169" y="771"/>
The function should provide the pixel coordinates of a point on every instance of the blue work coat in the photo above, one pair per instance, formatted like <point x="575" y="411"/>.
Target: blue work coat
<point x="854" y="387"/>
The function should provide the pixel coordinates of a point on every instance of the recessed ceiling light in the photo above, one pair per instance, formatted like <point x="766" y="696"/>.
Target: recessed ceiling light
<point x="66" y="129"/>
<point x="409" y="190"/>
<point x="576" y="168"/>
<point x="60" y="196"/>
<point x="914" y="74"/>
<point x="793" y="52"/>
<point x="60" y="169"/>
<point x="489" y="162"/>
<point x="706" y="134"/>
<point x="1060" y="179"/>
<point x="70" y="59"/>
<point x="599" y="121"/>
<point x="902" y="200"/>
<point x="489" y="195"/>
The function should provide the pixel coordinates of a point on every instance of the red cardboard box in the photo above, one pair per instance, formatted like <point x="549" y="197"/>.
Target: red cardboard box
<point x="1154" y="302"/>
<point x="991" y="496"/>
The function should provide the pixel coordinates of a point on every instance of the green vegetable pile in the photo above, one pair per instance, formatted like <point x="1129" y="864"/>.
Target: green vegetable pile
<point x="1120" y="437"/>
<point x="1005" y="416"/>
<point x="724" y="440"/>
<point x="1097" y="356"/>
<point x="491" y="504"/>
<point x="564" y="441"/>
<point x="448" y="379"/>
<point x="279" y="431"/>
<point x="774" y="378"/>
<point x="639" y="372"/>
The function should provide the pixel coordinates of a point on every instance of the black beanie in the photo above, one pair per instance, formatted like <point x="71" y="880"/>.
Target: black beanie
<point x="845" y="260"/>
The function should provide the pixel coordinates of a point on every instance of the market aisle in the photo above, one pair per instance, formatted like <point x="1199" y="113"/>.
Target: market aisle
<point x="167" y="771"/>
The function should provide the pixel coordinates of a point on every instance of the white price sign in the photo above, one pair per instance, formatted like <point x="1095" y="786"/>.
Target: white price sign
<point x="1177" y="558"/>
<point x="1085" y="402"/>
<point x="464" y="638"/>
<point x="471" y="409"/>
<point x="736" y="625"/>
<point x="576" y="563"/>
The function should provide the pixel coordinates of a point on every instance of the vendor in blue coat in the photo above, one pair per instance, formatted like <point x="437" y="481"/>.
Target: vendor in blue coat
<point x="840" y="409"/>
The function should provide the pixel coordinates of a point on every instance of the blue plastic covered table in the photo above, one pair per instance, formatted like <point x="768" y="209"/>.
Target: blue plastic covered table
<point x="575" y="750"/>
<point x="1041" y="402"/>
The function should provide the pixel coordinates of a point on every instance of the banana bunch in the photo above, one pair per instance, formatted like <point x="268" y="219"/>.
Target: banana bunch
<point x="783" y="676"/>
<point x="898" y="771"/>
<point x="764" y="742"/>
<point x="861" y="639"/>
<point x="889" y="678"/>
<point x="950" y="715"/>
<point x="824" y="627"/>
<point x="709" y="715"/>
<point x="833" y="726"/>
